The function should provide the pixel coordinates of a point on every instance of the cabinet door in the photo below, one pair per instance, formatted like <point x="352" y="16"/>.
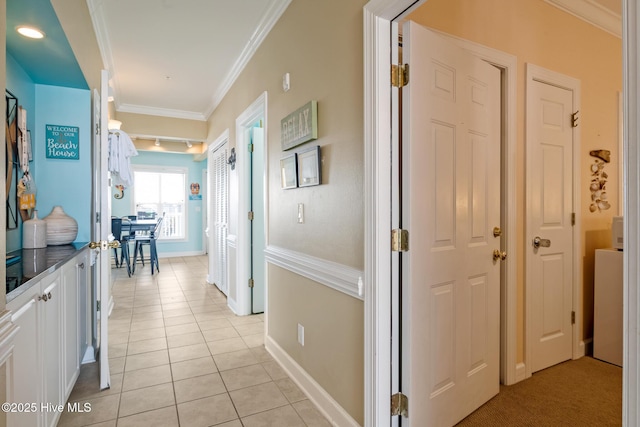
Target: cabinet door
<point x="26" y="378"/>
<point x="51" y="329"/>
<point x="70" y="316"/>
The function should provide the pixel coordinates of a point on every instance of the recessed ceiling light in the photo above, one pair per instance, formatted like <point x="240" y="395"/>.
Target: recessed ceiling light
<point x="31" y="32"/>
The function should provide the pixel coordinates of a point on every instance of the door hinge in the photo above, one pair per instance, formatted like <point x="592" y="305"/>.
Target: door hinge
<point x="399" y="75"/>
<point x="251" y="148"/>
<point x="574" y="119"/>
<point x="573" y="218"/>
<point x="573" y="317"/>
<point x="399" y="240"/>
<point x="251" y="283"/>
<point x="97" y="305"/>
<point x="97" y="217"/>
<point x="250" y="215"/>
<point x="399" y="405"/>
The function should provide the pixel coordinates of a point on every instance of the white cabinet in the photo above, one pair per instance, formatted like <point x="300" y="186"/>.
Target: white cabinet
<point x="46" y="355"/>
<point x="27" y="353"/>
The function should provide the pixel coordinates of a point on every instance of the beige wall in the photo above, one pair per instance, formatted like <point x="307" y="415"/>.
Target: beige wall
<point x="142" y="124"/>
<point x="538" y="33"/>
<point x="320" y="44"/>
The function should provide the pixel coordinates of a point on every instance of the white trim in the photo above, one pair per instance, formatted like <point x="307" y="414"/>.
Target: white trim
<point x="537" y="73"/>
<point x="162" y="254"/>
<point x="631" y="96"/>
<point x="336" y="276"/>
<point x="508" y="64"/>
<point x="592" y="12"/>
<point x="331" y="409"/>
<point x="521" y="372"/>
<point x="256" y="111"/>
<point x="377" y="17"/>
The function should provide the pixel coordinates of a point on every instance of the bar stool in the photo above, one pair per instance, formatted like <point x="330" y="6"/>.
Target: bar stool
<point x="150" y="240"/>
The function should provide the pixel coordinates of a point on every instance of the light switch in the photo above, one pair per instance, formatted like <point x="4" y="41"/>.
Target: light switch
<point x="286" y="84"/>
<point x="300" y="213"/>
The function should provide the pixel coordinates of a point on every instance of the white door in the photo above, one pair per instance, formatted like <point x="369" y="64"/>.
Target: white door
<point x="219" y="213"/>
<point x="549" y="210"/>
<point x="451" y="204"/>
<point x="102" y="225"/>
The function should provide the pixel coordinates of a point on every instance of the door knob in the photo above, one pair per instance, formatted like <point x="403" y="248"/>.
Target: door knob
<point x="538" y="242"/>
<point x="499" y="255"/>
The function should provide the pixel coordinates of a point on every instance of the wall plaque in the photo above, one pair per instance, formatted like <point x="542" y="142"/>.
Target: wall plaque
<point x="300" y="126"/>
<point x="62" y="142"/>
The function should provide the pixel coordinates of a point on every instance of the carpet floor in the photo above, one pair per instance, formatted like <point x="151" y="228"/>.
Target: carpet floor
<point x="583" y="392"/>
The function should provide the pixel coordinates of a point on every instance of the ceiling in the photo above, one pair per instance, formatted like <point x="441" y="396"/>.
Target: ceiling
<point x="177" y="58"/>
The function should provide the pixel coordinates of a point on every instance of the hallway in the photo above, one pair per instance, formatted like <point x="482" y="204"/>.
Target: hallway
<point x="180" y="357"/>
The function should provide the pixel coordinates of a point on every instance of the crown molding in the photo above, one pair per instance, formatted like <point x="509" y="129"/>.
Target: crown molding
<point x="163" y="112"/>
<point x="593" y="13"/>
<point x="264" y="27"/>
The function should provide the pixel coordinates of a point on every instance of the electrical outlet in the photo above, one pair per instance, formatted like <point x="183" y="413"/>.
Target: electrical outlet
<point x="301" y="334"/>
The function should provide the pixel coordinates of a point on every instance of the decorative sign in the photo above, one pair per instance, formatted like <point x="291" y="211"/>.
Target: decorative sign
<point x="300" y="126"/>
<point x="62" y="142"/>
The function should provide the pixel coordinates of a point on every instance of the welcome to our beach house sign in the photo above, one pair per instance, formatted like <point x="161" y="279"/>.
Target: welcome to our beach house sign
<point x="62" y="142"/>
<point x="300" y="126"/>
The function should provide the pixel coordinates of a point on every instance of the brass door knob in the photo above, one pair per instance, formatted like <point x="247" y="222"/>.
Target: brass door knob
<point x="499" y="255"/>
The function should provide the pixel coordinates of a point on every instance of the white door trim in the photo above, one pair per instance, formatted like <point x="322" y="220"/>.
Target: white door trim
<point x="631" y="96"/>
<point x="256" y="111"/>
<point x="536" y="73"/>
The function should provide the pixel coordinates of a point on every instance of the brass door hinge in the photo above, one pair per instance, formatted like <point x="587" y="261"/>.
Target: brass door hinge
<point x="399" y="240"/>
<point x="399" y="75"/>
<point x="251" y="283"/>
<point x="250" y="215"/>
<point x="573" y="317"/>
<point x="573" y="218"/>
<point x="399" y="405"/>
<point x="251" y="148"/>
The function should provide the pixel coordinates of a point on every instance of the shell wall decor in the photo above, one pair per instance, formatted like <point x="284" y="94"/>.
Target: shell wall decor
<point x="598" y="184"/>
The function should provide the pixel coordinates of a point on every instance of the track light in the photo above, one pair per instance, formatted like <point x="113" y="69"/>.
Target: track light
<point x="157" y="144"/>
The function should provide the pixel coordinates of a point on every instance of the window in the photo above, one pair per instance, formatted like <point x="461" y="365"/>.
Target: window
<point x="162" y="192"/>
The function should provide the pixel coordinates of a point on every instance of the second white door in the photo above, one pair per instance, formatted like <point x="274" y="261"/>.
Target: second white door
<point x="549" y="246"/>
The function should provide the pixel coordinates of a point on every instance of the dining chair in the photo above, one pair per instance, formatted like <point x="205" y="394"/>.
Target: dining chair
<point x="119" y="229"/>
<point x="142" y="240"/>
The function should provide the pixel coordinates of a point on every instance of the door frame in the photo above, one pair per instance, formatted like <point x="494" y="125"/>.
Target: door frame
<point x="536" y="73"/>
<point x="377" y="18"/>
<point x="256" y="111"/>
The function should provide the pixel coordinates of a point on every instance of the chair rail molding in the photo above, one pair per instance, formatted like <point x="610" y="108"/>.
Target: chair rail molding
<point x="337" y="276"/>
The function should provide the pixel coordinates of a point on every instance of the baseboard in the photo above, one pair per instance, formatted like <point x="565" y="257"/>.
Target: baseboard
<point x="89" y="355"/>
<point x="585" y="347"/>
<point x="162" y="254"/>
<point x="336" y="415"/>
<point x="521" y="372"/>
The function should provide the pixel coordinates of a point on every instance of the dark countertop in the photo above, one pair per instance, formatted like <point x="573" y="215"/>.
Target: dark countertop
<point x="34" y="264"/>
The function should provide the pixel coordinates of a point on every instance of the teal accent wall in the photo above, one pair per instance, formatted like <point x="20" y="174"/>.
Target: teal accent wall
<point x="62" y="182"/>
<point x="195" y="208"/>
<point x="20" y="84"/>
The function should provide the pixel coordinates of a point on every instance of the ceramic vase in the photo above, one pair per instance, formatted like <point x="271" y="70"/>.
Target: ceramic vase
<point x="61" y="228"/>
<point x="34" y="233"/>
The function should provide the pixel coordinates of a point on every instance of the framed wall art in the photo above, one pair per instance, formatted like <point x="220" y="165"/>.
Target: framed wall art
<point x="309" y="169"/>
<point x="288" y="168"/>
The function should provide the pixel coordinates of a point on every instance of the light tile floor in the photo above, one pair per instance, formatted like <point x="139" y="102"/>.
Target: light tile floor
<point x="179" y="357"/>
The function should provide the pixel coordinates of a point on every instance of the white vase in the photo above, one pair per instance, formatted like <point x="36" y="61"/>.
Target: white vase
<point x="34" y="233"/>
<point x="61" y="228"/>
